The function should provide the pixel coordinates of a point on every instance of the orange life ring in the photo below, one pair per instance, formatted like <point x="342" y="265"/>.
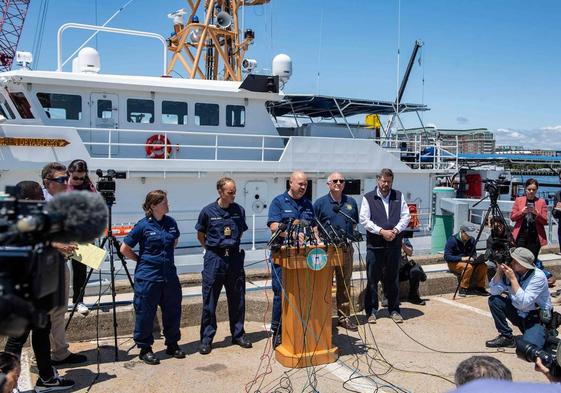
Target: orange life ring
<point x="414" y="223"/>
<point x="158" y="146"/>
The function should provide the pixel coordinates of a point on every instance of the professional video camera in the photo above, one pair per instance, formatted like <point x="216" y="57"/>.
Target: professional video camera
<point x="495" y="187"/>
<point x="106" y="184"/>
<point x="550" y="354"/>
<point x="31" y="271"/>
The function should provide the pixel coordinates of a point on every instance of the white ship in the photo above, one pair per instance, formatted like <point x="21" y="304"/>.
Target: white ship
<point x="181" y="135"/>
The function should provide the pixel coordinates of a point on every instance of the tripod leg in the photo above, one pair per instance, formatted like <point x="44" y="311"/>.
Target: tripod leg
<point x="475" y="246"/>
<point x="117" y="246"/>
<point x="82" y="291"/>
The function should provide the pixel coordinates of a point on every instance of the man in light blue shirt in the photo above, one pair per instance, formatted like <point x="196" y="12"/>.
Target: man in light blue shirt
<point x="526" y="293"/>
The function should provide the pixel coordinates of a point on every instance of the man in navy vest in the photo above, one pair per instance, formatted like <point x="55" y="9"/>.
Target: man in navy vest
<point x="384" y="214"/>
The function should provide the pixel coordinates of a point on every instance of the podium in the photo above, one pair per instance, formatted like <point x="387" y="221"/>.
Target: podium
<point x="307" y="275"/>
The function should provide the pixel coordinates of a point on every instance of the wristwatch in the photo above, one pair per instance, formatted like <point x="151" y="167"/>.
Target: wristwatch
<point x="396" y="231"/>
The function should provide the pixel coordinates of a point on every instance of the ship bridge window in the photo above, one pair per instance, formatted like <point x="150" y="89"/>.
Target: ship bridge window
<point x="352" y="187"/>
<point x="174" y="112"/>
<point x="206" y="114"/>
<point x="61" y="106"/>
<point x="235" y="115"/>
<point x="6" y="111"/>
<point x="140" y="111"/>
<point x="22" y="105"/>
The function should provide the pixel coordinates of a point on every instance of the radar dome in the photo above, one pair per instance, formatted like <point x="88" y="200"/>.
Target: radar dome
<point x="88" y="60"/>
<point x="282" y="66"/>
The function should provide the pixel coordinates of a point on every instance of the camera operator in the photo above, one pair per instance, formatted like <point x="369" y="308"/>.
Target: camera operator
<point x="526" y="289"/>
<point x="10" y="370"/>
<point x="48" y="377"/>
<point x="55" y="181"/>
<point x="460" y="255"/>
<point x="529" y="214"/>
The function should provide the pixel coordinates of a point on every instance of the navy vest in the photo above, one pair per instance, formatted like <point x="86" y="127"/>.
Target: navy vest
<point x="378" y="216"/>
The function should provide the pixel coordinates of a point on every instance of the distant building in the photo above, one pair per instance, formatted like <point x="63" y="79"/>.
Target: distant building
<point x="473" y="140"/>
<point x="521" y="150"/>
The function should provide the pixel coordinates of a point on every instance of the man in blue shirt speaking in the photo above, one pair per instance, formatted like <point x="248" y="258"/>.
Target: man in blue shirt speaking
<point x="327" y="210"/>
<point x="527" y="294"/>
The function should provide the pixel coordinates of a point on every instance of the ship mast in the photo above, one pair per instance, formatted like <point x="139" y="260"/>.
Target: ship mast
<point x="215" y="40"/>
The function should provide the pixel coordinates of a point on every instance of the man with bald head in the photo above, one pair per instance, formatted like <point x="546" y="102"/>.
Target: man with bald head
<point x="327" y="210"/>
<point x="285" y="208"/>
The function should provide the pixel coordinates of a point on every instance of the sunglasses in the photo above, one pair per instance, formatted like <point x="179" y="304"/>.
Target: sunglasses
<point x="59" y="180"/>
<point x="75" y="178"/>
<point x="340" y="181"/>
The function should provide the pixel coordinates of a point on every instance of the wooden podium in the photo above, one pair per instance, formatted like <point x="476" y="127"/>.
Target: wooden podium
<point x="307" y="275"/>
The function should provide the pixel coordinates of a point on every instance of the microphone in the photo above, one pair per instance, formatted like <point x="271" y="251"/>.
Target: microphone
<point x="77" y="216"/>
<point x="281" y="228"/>
<point x="308" y="234"/>
<point x="320" y="225"/>
<point x="337" y="237"/>
<point x="337" y="209"/>
<point x="294" y="226"/>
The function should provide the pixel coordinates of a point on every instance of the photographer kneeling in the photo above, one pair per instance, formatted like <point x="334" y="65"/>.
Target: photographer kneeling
<point x="527" y="293"/>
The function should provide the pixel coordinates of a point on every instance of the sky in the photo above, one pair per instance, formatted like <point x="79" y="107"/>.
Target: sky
<point x="484" y="63"/>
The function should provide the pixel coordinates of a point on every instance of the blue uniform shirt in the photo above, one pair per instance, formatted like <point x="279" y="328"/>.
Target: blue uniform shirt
<point x="222" y="227"/>
<point x="157" y="241"/>
<point x="323" y="208"/>
<point x="284" y="208"/>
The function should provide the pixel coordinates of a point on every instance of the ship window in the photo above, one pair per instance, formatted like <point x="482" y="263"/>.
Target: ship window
<point x="2" y="112"/>
<point x="352" y="187"/>
<point x="140" y="111"/>
<point x="174" y="112"/>
<point x="235" y="115"/>
<point x="104" y="109"/>
<point x="206" y="114"/>
<point x="22" y="105"/>
<point x="9" y="110"/>
<point x="61" y="106"/>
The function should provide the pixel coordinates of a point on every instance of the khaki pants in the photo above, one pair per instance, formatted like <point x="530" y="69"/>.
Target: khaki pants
<point x="343" y="278"/>
<point x="59" y="345"/>
<point x="480" y="271"/>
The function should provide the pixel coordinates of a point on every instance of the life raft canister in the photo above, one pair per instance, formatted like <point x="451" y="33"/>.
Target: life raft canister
<point x="158" y="146"/>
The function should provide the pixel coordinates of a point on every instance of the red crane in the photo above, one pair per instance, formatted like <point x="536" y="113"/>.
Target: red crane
<point x="12" y="14"/>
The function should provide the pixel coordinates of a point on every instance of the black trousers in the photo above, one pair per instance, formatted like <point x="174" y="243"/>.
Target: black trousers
<point x="41" y="348"/>
<point x="382" y="265"/>
<point x="79" y="274"/>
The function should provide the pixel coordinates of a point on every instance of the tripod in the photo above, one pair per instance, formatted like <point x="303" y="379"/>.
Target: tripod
<point x="494" y="211"/>
<point x="113" y="247"/>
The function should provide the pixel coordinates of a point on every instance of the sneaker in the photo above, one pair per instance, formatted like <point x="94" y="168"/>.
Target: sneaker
<point x="463" y="292"/>
<point x="501" y="342"/>
<point x="82" y="309"/>
<point x="396" y="317"/>
<point x="372" y="319"/>
<point x="55" y="384"/>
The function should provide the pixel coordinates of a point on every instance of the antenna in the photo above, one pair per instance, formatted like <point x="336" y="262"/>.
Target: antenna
<point x="215" y="40"/>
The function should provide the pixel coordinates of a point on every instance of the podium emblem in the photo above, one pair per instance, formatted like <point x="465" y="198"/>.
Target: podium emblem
<point x="316" y="259"/>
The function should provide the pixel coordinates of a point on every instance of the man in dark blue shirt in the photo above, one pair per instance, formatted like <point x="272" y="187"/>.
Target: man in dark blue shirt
<point x="285" y="208"/>
<point x="324" y="211"/>
<point x="219" y="229"/>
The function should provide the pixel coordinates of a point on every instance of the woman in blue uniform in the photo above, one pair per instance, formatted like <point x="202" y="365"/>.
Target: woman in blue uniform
<point x="219" y="229"/>
<point x="155" y="277"/>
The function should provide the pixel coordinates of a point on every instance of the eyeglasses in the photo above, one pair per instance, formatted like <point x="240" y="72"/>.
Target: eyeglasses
<point x="75" y="178"/>
<point x="59" y="180"/>
<point x="340" y="181"/>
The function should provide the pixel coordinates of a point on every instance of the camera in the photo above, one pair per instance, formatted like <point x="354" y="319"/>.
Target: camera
<point x="498" y="243"/>
<point x="30" y="270"/>
<point x="106" y="184"/>
<point x="549" y="355"/>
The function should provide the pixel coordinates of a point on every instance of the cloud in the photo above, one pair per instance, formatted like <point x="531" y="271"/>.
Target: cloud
<point x="548" y="137"/>
<point x="462" y="120"/>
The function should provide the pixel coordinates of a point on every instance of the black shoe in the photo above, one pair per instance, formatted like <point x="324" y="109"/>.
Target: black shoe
<point x="148" y="357"/>
<point x="55" y="384"/>
<point x="73" y="358"/>
<point x="501" y="342"/>
<point x="242" y="342"/>
<point x="205" y="348"/>
<point x="481" y="291"/>
<point x="175" y="351"/>
<point x="348" y="324"/>
<point x="463" y="292"/>
<point x="416" y="299"/>
<point x="277" y="339"/>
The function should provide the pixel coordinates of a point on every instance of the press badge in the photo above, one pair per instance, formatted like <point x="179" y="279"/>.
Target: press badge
<point x="227" y="231"/>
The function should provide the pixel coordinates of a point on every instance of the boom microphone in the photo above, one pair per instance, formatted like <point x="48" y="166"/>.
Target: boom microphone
<point x="337" y="209"/>
<point x="281" y="228"/>
<point x="320" y="225"/>
<point x="77" y="216"/>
